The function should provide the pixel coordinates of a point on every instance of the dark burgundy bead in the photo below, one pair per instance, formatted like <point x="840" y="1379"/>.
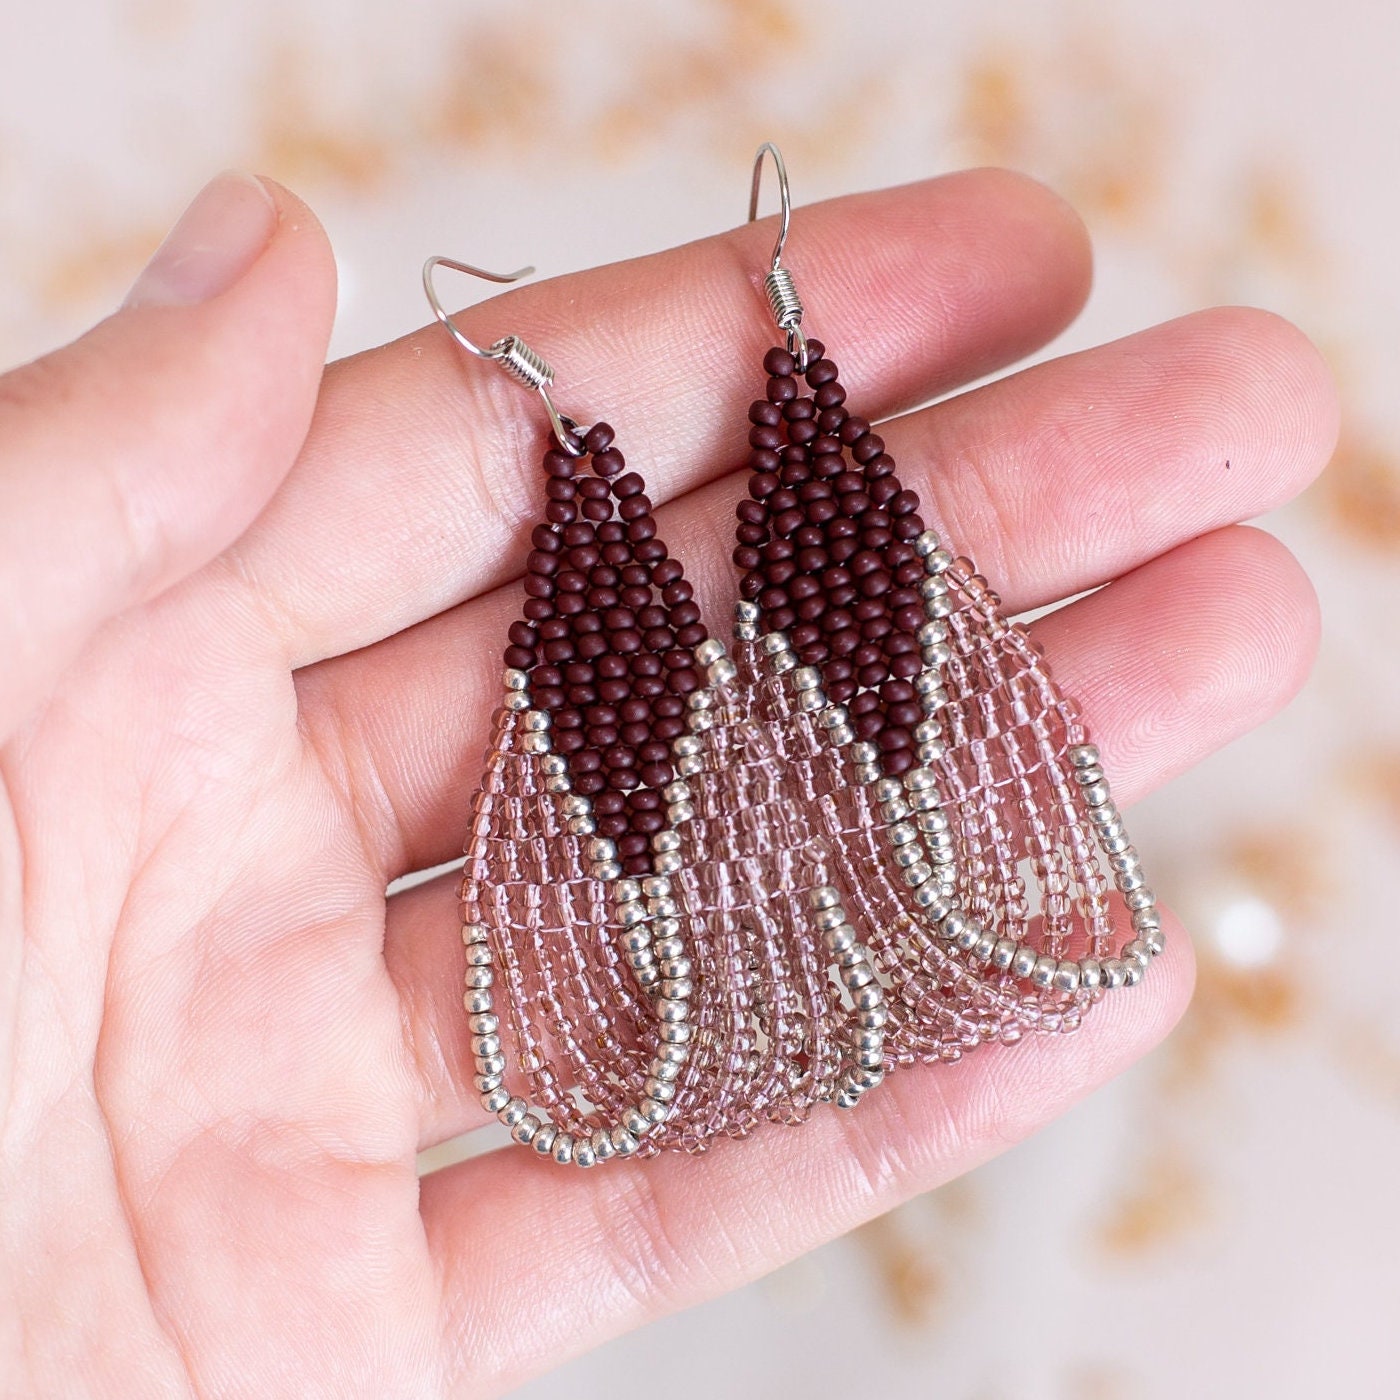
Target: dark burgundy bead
<point x="787" y="521"/>
<point x="810" y="609"/>
<point x="642" y="528"/>
<point x="865" y="702"/>
<point x="642" y="800"/>
<point x="669" y="727"/>
<point x="591" y="645"/>
<point x="692" y="635"/>
<point x="761" y="411"/>
<point x="908" y="527"/>
<point x="906" y="665"/>
<point x="853" y="429"/>
<point x="634" y="507"/>
<point x="590" y="783"/>
<point x="779" y="362"/>
<point x="904" y="503"/>
<point x="898" y="762"/>
<point x="799" y="410"/>
<point x="609" y="463"/>
<point x="684" y="681"/>
<point x="779" y="549"/>
<point x="747" y="558"/>
<point x="596" y="510"/>
<point x="897" y="643"/>
<point x="591" y="488"/>
<point x="830" y="395"/>
<point x="657" y="774"/>
<point x="764" y="461"/>
<point x="868" y="725"/>
<point x="821" y="372"/>
<point x="780" y="619"/>
<point x="556" y="490"/>
<point x="537" y="586"/>
<point x="908" y="619"/>
<point x="841" y="692"/>
<point x="830" y="420"/>
<point x="657" y="638"/>
<point x="611" y="668"/>
<point x="612" y="803"/>
<point x="811" y="561"/>
<point x="845" y="642"/>
<point x="795" y="473"/>
<point x="649" y="823"/>
<point x="560" y="464"/>
<point x="613" y="826"/>
<point x="522" y="658"/>
<point x="542" y="537"/>
<point x="561" y="512"/>
<point x="903" y="598"/>
<point x="569" y="741"/>
<point x="870" y="446"/>
<point x="751" y="534"/>
<point x="781" y="388"/>
<point x="678" y="592"/>
<point x="667" y="571"/>
<point x="763" y="485"/>
<point x="856" y="504"/>
<point x="765" y="438"/>
<point x="802" y="432"/>
<point x="751" y="512"/>
<point x="880" y="468"/>
<point x="523" y="634"/>
<point x="875" y="585"/>
<point x="598" y="438"/>
<point x="622" y="779"/>
<point x="582" y="696"/>
<point x="875" y="628"/>
<point x="893" y="737"/>
<point x="644" y="664"/>
<point x="614" y="692"/>
<point x="802" y="586"/>
<point x="908" y="574"/>
<point x="907" y="714"/>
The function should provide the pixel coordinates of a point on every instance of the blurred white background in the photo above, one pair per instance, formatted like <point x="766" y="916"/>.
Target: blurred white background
<point x="1225" y="1219"/>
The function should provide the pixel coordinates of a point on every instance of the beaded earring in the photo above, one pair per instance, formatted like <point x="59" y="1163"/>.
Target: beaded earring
<point x="966" y="809"/>
<point x="657" y="991"/>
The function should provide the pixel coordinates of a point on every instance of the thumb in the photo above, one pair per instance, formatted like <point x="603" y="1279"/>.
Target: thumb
<point x="135" y="455"/>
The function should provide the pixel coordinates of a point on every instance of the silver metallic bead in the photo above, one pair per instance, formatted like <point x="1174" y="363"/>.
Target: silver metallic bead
<point x="563" y="1150"/>
<point x="936" y="561"/>
<point x="494" y="1100"/>
<point x="746" y="611"/>
<point x="1140" y="898"/>
<point x="1023" y="962"/>
<point x="671" y="1010"/>
<point x="513" y="1112"/>
<point x="1003" y="953"/>
<point x="477" y="999"/>
<point x="584" y="1155"/>
<point x="773" y="643"/>
<point x="1090" y="974"/>
<point x="1066" y="978"/>
<point x="473" y="933"/>
<point x="514" y="679"/>
<point x="925" y="543"/>
<point x="920" y="873"/>
<point x="1083" y="756"/>
<point x="721" y="672"/>
<point x="524" y="1130"/>
<point x="711" y="649"/>
<point x="624" y="1144"/>
<point x="582" y="826"/>
<point x="666" y="841"/>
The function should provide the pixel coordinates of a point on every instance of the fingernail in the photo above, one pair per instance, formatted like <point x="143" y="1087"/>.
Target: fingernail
<point x="217" y="239"/>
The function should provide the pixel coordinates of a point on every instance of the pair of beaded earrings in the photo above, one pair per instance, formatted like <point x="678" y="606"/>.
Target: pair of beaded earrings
<point x="706" y="892"/>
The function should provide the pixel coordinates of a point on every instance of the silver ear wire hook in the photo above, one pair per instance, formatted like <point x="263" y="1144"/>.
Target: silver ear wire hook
<point x="778" y="283"/>
<point x="524" y="365"/>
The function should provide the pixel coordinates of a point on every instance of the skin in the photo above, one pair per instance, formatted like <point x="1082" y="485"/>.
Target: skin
<point x="252" y="614"/>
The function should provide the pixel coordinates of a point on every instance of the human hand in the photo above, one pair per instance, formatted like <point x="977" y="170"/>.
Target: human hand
<point x="252" y="624"/>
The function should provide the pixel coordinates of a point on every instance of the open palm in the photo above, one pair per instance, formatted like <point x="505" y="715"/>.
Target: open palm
<point x="251" y="618"/>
